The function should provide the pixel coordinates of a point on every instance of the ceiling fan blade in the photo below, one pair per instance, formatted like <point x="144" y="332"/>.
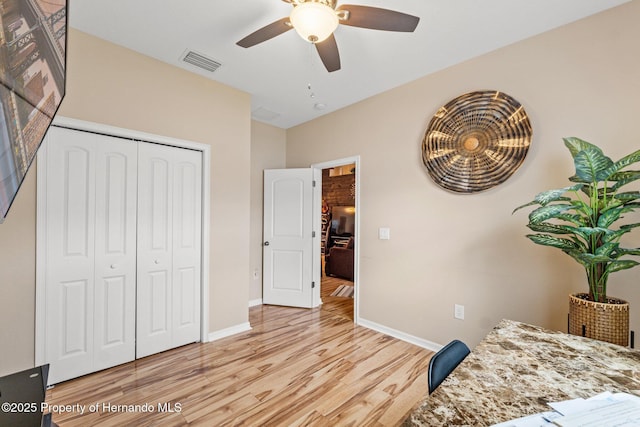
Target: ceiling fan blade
<point x="379" y="19"/>
<point x="265" y="33"/>
<point x="328" y="51"/>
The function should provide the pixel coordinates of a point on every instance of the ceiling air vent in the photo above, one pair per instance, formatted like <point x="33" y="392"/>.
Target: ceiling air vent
<point x="200" y="61"/>
<point x="263" y="114"/>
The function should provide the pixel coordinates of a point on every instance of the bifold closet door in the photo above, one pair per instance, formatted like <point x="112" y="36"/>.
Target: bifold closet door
<point x="169" y="247"/>
<point x="90" y="252"/>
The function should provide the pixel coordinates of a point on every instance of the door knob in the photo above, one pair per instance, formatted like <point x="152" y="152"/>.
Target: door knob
<point x="113" y="266"/>
<point x="156" y="261"/>
<point x="266" y="243"/>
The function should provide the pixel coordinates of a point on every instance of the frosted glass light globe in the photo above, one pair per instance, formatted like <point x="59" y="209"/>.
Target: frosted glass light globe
<point x="314" y="22"/>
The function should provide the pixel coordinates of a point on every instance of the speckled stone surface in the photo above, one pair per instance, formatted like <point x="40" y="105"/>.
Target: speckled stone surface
<point x="518" y="368"/>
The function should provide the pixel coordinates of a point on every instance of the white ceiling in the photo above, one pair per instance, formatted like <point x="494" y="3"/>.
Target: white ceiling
<point x="279" y="72"/>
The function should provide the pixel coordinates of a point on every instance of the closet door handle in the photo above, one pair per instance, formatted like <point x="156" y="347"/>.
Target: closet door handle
<point x="113" y="266"/>
<point x="266" y="243"/>
<point x="156" y="261"/>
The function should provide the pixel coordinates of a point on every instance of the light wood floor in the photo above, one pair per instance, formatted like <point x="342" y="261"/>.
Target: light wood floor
<point x="336" y="305"/>
<point x="296" y="367"/>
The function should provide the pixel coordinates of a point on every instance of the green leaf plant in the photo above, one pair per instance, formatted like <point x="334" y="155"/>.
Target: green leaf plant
<point x="579" y="219"/>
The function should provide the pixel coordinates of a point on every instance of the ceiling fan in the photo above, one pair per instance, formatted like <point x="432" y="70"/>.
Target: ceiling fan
<point x="316" y="20"/>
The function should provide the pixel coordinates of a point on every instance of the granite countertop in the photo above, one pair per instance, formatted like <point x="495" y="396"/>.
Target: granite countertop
<point x="518" y="368"/>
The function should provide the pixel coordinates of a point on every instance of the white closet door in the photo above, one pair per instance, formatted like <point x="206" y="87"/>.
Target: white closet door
<point x="187" y="237"/>
<point x="90" y="229"/>
<point x="169" y="223"/>
<point x="115" y="252"/>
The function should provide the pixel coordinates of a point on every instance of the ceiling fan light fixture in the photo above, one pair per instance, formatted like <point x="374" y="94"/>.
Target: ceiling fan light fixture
<point x="314" y="22"/>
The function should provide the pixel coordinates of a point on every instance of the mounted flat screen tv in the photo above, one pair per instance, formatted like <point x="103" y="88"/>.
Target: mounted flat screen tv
<point x="32" y="84"/>
<point x="343" y="220"/>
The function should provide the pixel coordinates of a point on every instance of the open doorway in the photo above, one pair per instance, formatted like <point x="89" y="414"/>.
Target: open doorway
<point x="339" y="237"/>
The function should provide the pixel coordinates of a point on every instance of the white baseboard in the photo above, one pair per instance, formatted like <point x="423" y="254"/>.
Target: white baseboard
<point x="399" y="335"/>
<point x="227" y="332"/>
<point x="429" y="345"/>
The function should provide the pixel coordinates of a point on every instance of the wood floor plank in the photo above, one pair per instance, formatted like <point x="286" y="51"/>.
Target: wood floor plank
<point x="296" y="367"/>
<point x="312" y="419"/>
<point x="223" y="411"/>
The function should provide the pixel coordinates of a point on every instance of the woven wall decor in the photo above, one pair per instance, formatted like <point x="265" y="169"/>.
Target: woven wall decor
<point x="476" y="141"/>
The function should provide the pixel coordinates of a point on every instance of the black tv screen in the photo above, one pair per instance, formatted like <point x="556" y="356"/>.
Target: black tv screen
<point x="32" y="84"/>
<point x="343" y="220"/>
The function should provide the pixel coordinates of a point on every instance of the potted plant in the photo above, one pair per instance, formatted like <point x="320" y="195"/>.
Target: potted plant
<point x="579" y="220"/>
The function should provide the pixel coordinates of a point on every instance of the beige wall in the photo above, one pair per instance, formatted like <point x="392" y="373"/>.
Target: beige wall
<point x="17" y="280"/>
<point x="445" y="249"/>
<point x="268" y="147"/>
<point x="118" y="87"/>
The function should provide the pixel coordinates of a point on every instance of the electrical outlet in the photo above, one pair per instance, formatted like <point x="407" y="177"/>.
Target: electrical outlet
<point x="458" y="311"/>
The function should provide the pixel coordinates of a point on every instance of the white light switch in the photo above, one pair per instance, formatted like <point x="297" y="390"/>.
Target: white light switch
<point x="384" y="233"/>
<point x="458" y="311"/>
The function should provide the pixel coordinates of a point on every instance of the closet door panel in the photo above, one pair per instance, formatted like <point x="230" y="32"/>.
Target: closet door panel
<point x="115" y="262"/>
<point x="155" y="217"/>
<point x="70" y="254"/>
<point x="159" y="190"/>
<point x="187" y="247"/>
<point x="74" y="205"/>
<point x="75" y="322"/>
<point x="159" y="307"/>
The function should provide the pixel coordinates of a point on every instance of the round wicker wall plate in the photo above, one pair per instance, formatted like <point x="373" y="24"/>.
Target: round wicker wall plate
<point x="476" y="141"/>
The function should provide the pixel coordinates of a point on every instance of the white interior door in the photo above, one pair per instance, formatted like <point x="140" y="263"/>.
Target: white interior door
<point x="154" y="250"/>
<point x="90" y="252"/>
<point x="288" y="237"/>
<point x="187" y="244"/>
<point x="115" y="252"/>
<point x="169" y="242"/>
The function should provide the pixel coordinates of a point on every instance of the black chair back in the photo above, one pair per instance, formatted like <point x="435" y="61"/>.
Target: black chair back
<point x="445" y="361"/>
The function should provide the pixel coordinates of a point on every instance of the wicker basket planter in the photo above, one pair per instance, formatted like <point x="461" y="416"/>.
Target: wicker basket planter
<point x="598" y="320"/>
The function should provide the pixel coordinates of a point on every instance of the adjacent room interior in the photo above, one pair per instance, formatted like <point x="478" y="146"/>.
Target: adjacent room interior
<point x="338" y="238"/>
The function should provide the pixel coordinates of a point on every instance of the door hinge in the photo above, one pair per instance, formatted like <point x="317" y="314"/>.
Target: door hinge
<point x="313" y="285"/>
<point x="313" y="234"/>
<point x="313" y="183"/>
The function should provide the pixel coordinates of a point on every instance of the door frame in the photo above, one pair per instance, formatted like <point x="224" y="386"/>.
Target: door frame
<point x="317" y="214"/>
<point x="41" y="189"/>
